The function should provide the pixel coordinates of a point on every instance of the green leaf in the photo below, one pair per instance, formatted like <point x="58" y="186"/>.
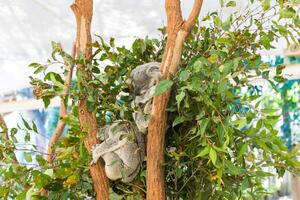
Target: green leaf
<point x="204" y="152"/>
<point x="35" y="65"/>
<point x="4" y="192"/>
<point x="269" y="111"/>
<point x="223" y="41"/>
<point x="184" y="75"/>
<point x="213" y="156"/>
<point x="221" y="3"/>
<point x="162" y="87"/>
<point x="231" y="4"/>
<point x="34" y="127"/>
<point x="179" y="120"/>
<point x="72" y="180"/>
<point x="263" y="145"/>
<point x="263" y="174"/>
<point x="38" y="70"/>
<point x="227" y="24"/>
<point x="180" y="97"/>
<point x="240" y="122"/>
<point x="213" y="58"/>
<point x="57" y="81"/>
<point x="203" y="124"/>
<point x="242" y="150"/>
<point x="233" y="169"/>
<point x="46" y="101"/>
<point x="21" y="196"/>
<point x="26" y="124"/>
<point x="265" y="40"/>
<point x="115" y="196"/>
<point x="287" y="13"/>
<point x="112" y="42"/>
<point x="266" y="5"/>
<point x="40" y="160"/>
<point x="217" y="21"/>
<point x="27" y="156"/>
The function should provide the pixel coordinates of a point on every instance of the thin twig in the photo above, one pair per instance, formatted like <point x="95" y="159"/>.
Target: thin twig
<point x="63" y="111"/>
<point x="6" y="136"/>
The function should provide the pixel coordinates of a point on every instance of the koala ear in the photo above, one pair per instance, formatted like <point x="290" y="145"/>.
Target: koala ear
<point x="152" y="68"/>
<point x="153" y="71"/>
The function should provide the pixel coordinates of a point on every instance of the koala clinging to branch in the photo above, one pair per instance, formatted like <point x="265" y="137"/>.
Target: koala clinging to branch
<point x="123" y="146"/>
<point x="122" y="149"/>
<point x="144" y="78"/>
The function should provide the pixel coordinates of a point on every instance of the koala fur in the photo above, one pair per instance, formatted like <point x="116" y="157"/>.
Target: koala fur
<point x="123" y="146"/>
<point x="122" y="149"/>
<point x="144" y="78"/>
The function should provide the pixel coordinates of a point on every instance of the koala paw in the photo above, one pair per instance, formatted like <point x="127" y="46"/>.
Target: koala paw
<point x="93" y="147"/>
<point x="95" y="154"/>
<point x="92" y="163"/>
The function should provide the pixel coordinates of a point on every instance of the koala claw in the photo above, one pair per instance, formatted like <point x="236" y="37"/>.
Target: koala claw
<point x="92" y="163"/>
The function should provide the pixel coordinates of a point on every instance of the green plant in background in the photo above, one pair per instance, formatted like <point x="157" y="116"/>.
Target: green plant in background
<point x="219" y="138"/>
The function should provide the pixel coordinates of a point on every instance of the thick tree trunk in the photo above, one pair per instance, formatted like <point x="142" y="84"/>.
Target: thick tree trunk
<point x="83" y="10"/>
<point x="177" y="30"/>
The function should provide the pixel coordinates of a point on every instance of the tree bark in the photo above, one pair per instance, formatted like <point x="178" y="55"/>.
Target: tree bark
<point x="295" y="187"/>
<point x="62" y="112"/>
<point x="83" y="10"/>
<point x="177" y="30"/>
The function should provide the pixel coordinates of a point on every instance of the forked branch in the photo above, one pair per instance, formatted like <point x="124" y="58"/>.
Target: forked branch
<point x="177" y="30"/>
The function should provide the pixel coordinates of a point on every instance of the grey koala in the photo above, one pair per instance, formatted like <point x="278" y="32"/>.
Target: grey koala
<point x="122" y="149"/>
<point x="144" y="78"/>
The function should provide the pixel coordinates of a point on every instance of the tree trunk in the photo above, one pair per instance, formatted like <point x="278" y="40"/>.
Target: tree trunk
<point x="177" y="30"/>
<point x="295" y="189"/>
<point x="83" y="10"/>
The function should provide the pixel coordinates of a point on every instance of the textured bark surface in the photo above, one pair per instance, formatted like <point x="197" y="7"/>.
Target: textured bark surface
<point x="83" y="10"/>
<point x="177" y="30"/>
<point x="62" y="112"/>
<point x="295" y="183"/>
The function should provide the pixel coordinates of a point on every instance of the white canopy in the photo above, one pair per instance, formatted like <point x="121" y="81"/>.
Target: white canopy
<point x="28" y="27"/>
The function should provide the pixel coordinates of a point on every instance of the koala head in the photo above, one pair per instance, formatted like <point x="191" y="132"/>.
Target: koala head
<point x="144" y="77"/>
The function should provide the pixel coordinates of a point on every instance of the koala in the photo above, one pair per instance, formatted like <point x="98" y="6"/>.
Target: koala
<point x="122" y="149"/>
<point x="144" y="78"/>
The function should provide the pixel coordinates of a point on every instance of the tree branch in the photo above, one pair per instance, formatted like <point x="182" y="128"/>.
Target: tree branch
<point x="190" y="22"/>
<point x="62" y="112"/>
<point x="4" y="129"/>
<point x="5" y="136"/>
<point x="177" y="31"/>
<point x="83" y="10"/>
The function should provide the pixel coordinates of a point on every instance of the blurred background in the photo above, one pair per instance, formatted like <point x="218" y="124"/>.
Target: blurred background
<point x="28" y="27"/>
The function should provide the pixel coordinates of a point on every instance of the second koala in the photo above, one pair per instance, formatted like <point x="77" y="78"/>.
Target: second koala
<point x="144" y="78"/>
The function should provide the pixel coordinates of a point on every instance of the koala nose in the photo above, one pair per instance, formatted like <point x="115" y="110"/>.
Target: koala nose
<point x="140" y="104"/>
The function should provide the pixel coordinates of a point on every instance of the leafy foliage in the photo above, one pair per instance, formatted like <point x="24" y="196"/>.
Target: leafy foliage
<point x="220" y="140"/>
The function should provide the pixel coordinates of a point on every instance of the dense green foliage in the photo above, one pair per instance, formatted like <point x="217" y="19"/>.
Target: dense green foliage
<point x="220" y="140"/>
